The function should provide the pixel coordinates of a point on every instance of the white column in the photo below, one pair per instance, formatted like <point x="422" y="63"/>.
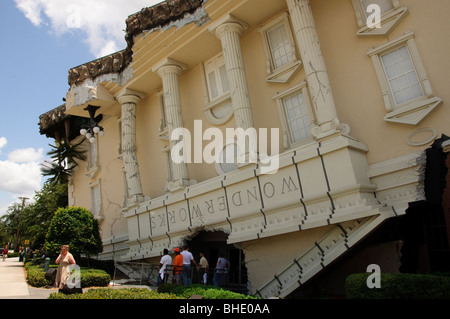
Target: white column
<point x="228" y="30"/>
<point x="129" y="99"/>
<point x="315" y="69"/>
<point x="169" y="70"/>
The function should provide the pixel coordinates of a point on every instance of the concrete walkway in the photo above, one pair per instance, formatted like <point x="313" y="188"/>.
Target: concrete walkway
<point x="13" y="284"/>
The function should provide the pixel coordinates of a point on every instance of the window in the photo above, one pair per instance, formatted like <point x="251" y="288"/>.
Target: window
<point x="217" y="77"/>
<point x="401" y="75"/>
<point x="92" y="160"/>
<point x="279" y="46"/>
<point x="407" y="92"/>
<point x="96" y="199"/>
<point x="296" y="116"/>
<point x="391" y="15"/>
<point x="218" y="109"/>
<point x="163" y="129"/>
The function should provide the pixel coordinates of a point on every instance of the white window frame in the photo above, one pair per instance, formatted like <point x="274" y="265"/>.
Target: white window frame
<point x="92" y="159"/>
<point x="288" y="141"/>
<point x="96" y="212"/>
<point x="163" y="129"/>
<point x="389" y="19"/>
<point x="413" y="111"/>
<point x="224" y="97"/>
<point x="286" y="72"/>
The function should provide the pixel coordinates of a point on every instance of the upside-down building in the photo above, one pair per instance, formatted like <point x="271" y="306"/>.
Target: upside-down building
<point x="361" y="108"/>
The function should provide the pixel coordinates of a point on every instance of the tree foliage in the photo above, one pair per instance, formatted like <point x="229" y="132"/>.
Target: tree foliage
<point x="76" y="227"/>
<point x="64" y="159"/>
<point x="36" y="216"/>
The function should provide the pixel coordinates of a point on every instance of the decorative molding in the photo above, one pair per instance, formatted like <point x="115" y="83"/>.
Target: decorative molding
<point x="308" y="191"/>
<point x="414" y="112"/>
<point x="431" y="132"/>
<point x="411" y="112"/>
<point x="388" y="23"/>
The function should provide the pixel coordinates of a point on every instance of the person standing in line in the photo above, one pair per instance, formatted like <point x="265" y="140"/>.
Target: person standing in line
<point x="222" y="268"/>
<point x="188" y="258"/>
<point x="203" y="264"/>
<point x="162" y="275"/>
<point x="177" y="266"/>
<point x="64" y="260"/>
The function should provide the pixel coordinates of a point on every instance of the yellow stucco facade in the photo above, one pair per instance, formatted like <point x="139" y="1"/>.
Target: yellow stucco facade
<point x="357" y="164"/>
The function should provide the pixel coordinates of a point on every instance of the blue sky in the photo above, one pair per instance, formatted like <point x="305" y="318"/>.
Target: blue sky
<point x="40" y="41"/>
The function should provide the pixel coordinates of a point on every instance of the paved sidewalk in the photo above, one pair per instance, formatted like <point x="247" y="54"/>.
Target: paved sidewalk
<point x="13" y="283"/>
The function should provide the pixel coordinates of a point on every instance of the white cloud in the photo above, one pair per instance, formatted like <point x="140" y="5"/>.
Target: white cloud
<point x="26" y="155"/>
<point x="102" y="21"/>
<point x="20" y="174"/>
<point x="20" y="179"/>
<point x="3" y="142"/>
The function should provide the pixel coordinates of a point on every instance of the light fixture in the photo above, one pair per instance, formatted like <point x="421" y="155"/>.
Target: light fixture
<point x="93" y="127"/>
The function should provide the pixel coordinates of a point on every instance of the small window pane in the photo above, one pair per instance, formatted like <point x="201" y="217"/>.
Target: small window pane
<point x="297" y="117"/>
<point x="401" y="75"/>
<point x="279" y="45"/>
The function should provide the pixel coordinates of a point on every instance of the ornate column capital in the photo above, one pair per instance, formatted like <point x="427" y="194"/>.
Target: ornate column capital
<point x="228" y="24"/>
<point x="169" y="66"/>
<point x="129" y="96"/>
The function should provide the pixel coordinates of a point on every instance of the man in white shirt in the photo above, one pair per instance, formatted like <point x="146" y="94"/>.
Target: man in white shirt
<point x="165" y="260"/>
<point x="204" y="266"/>
<point x="186" y="272"/>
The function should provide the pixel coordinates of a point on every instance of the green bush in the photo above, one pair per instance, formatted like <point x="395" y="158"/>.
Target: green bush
<point x="94" y="278"/>
<point x="399" y="286"/>
<point x="89" y="277"/>
<point x="36" y="276"/>
<point x="208" y="292"/>
<point x="110" y="293"/>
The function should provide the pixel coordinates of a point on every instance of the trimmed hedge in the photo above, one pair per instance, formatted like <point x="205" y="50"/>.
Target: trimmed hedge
<point x="208" y="292"/>
<point x="399" y="286"/>
<point x="89" y="277"/>
<point x="111" y="293"/>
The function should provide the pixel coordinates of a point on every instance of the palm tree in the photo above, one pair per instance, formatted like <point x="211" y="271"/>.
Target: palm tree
<point x="64" y="156"/>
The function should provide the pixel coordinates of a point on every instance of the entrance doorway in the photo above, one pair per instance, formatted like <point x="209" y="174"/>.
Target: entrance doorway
<point x="212" y="244"/>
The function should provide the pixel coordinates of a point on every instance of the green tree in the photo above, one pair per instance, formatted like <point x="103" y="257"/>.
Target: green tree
<point x="38" y="215"/>
<point x="35" y="217"/>
<point x="64" y="159"/>
<point x="9" y="224"/>
<point x="76" y="227"/>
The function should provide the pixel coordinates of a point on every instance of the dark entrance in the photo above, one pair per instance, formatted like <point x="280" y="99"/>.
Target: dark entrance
<point x="212" y="244"/>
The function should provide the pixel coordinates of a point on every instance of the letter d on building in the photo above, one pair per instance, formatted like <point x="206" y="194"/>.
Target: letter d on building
<point x="374" y="280"/>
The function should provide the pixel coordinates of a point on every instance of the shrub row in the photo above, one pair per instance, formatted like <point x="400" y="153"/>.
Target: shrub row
<point x="208" y="292"/>
<point x="399" y="286"/>
<point x="89" y="277"/>
<point x="111" y="293"/>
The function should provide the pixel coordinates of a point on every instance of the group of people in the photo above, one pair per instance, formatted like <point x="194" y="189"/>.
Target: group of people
<point x="182" y="267"/>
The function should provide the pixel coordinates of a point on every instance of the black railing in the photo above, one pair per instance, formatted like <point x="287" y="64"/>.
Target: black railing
<point x="147" y="274"/>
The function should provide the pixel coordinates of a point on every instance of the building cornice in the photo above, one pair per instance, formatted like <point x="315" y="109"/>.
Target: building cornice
<point x="147" y="19"/>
